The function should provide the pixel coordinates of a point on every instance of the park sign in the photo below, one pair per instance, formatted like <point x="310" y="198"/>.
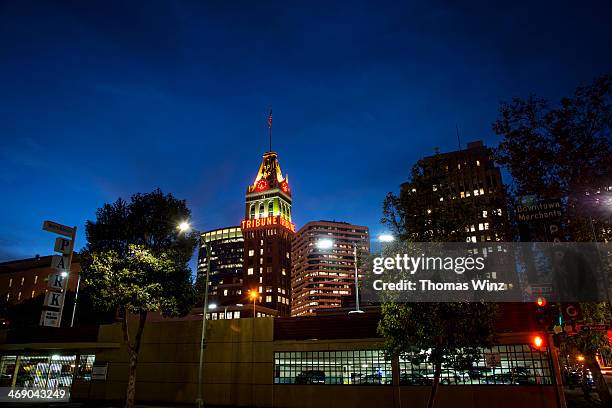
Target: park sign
<point x="53" y="305"/>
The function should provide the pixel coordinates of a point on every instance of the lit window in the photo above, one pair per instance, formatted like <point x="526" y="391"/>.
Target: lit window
<point x="484" y="214"/>
<point x="462" y="194"/>
<point x="10" y="282"/>
<point x="478" y="162"/>
<point x="251" y="252"/>
<point x="19" y="296"/>
<point x="22" y="280"/>
<point x="33" y="294"/>
<point x="250" y="271"/>
<point x="268" y="299"/>
<point x="35" y="279"/>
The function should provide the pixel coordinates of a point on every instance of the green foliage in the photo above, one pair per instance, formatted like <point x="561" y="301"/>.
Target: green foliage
<point x="136" y="259"/>
<point x="452" y="332"/>
<point x="591" y="342"/>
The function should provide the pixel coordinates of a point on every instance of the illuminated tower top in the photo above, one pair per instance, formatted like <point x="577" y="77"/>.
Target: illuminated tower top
<point x="269" y="195"/>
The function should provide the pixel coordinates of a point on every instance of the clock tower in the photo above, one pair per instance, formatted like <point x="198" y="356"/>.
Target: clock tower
<point x="268" y="232"/>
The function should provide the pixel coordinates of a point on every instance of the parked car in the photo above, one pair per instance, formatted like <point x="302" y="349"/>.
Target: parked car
<point x="414" y="379"/>
<point x="368" y="379"/>
<point x="503" y="378"/>
<point x="310" y="377"/>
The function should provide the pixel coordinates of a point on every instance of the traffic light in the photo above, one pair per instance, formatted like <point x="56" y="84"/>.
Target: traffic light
<point x="542" y="316"/>
<point x="537" y="341"/>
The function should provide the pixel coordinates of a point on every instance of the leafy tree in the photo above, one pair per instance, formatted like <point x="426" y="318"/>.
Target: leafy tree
<point x="136" y="262"/>
<point x="451" y="334"/>
<point x="564" y="151"/>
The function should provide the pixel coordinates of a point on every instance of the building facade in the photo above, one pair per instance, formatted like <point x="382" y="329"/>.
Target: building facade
<point x="226" y="265"/>
<point x="323" y="278"/>
<point x="470" y="175"/>
<point x="268" y="231"/>
<point x="25" y="279"/>
<point x="321" y="361"/>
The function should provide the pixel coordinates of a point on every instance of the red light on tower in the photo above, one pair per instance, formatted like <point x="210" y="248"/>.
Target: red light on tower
<point x="538" y="341"/>
<point x="541" y="301"/>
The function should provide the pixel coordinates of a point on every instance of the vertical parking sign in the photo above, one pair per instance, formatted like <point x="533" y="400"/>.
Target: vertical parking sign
<point x="57" y="280"/>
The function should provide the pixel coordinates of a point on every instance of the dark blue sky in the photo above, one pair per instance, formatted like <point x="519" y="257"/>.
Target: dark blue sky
<point x="104" y="99"/>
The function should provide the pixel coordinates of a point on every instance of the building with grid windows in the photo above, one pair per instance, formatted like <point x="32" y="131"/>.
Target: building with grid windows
<point x="226" y="263"/>
<point x="25" y="279"/>
<point x="321" y="278"/>
<point x="472" y="176"/>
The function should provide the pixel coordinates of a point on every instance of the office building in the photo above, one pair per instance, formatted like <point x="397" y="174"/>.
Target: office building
<point x="323" y="278"/>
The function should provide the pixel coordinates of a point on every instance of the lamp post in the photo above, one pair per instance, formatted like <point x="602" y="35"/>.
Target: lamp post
<point x="328" y="244"/>
<point x="253" y="295"/>
<point x="184" y="227"/>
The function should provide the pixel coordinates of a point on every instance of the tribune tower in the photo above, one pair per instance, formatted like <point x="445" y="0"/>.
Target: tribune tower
<point x="268" y="232"/>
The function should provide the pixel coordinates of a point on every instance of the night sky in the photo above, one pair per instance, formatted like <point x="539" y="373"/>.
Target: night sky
<point x="102" y="99"/>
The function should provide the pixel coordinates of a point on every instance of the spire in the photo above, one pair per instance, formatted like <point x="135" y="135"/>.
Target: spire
<point x="270" y="176"/>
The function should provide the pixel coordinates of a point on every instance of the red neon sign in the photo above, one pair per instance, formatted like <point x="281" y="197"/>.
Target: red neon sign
<point x="267" y="222"/>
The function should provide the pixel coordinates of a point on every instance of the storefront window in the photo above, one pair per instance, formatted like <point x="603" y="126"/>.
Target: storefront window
<point x="44" y="371"/>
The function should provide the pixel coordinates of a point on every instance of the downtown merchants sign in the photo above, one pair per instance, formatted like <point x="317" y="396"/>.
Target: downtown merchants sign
<point x="53" y="305"/>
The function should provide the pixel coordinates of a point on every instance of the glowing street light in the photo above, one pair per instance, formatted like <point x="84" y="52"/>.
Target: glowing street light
<point x="325" y="244"/>
<point x="386" y="238"/>
<point x="184" y="226"/>
<point x="253" y="295"/>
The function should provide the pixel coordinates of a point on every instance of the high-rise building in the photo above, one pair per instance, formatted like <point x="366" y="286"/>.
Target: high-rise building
<point x="321" y="278"/>
<point x="268" y="232"/>
<point x="471" y="175"/>
<point x="226" y="265"/>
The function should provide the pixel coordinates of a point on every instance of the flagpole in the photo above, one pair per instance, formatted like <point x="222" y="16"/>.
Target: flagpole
<point x="270" y="128"/>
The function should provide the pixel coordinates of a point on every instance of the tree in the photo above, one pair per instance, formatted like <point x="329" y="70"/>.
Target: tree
<point x="564" y="152"/>
<point x="136" y="262"/>
<point x="591" y="343"/>
<point x="451" y="334"/>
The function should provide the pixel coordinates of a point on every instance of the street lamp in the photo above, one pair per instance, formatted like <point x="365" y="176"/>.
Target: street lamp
<point x="185" y="227"/>
<point x="253" y="295"/>
<point x="386" y="238"/>
<point x="327" y="244"/>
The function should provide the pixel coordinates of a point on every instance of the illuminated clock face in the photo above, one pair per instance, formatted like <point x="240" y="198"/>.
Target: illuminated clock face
<point x="284" y="186"/>
<point x="262" y="185"/>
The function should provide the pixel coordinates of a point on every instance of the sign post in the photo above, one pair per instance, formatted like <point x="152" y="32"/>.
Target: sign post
<point x="58" y="280"/>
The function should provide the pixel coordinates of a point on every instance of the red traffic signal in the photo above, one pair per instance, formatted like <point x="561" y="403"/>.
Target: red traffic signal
<point x="541" y="302"/>
<point x="537" y="341"/>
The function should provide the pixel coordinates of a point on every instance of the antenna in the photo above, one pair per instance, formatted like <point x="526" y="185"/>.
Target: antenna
<point x="458" y="138"/>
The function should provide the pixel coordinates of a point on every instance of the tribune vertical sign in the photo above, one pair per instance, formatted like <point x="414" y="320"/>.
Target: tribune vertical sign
<point x="58" y="279"/>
